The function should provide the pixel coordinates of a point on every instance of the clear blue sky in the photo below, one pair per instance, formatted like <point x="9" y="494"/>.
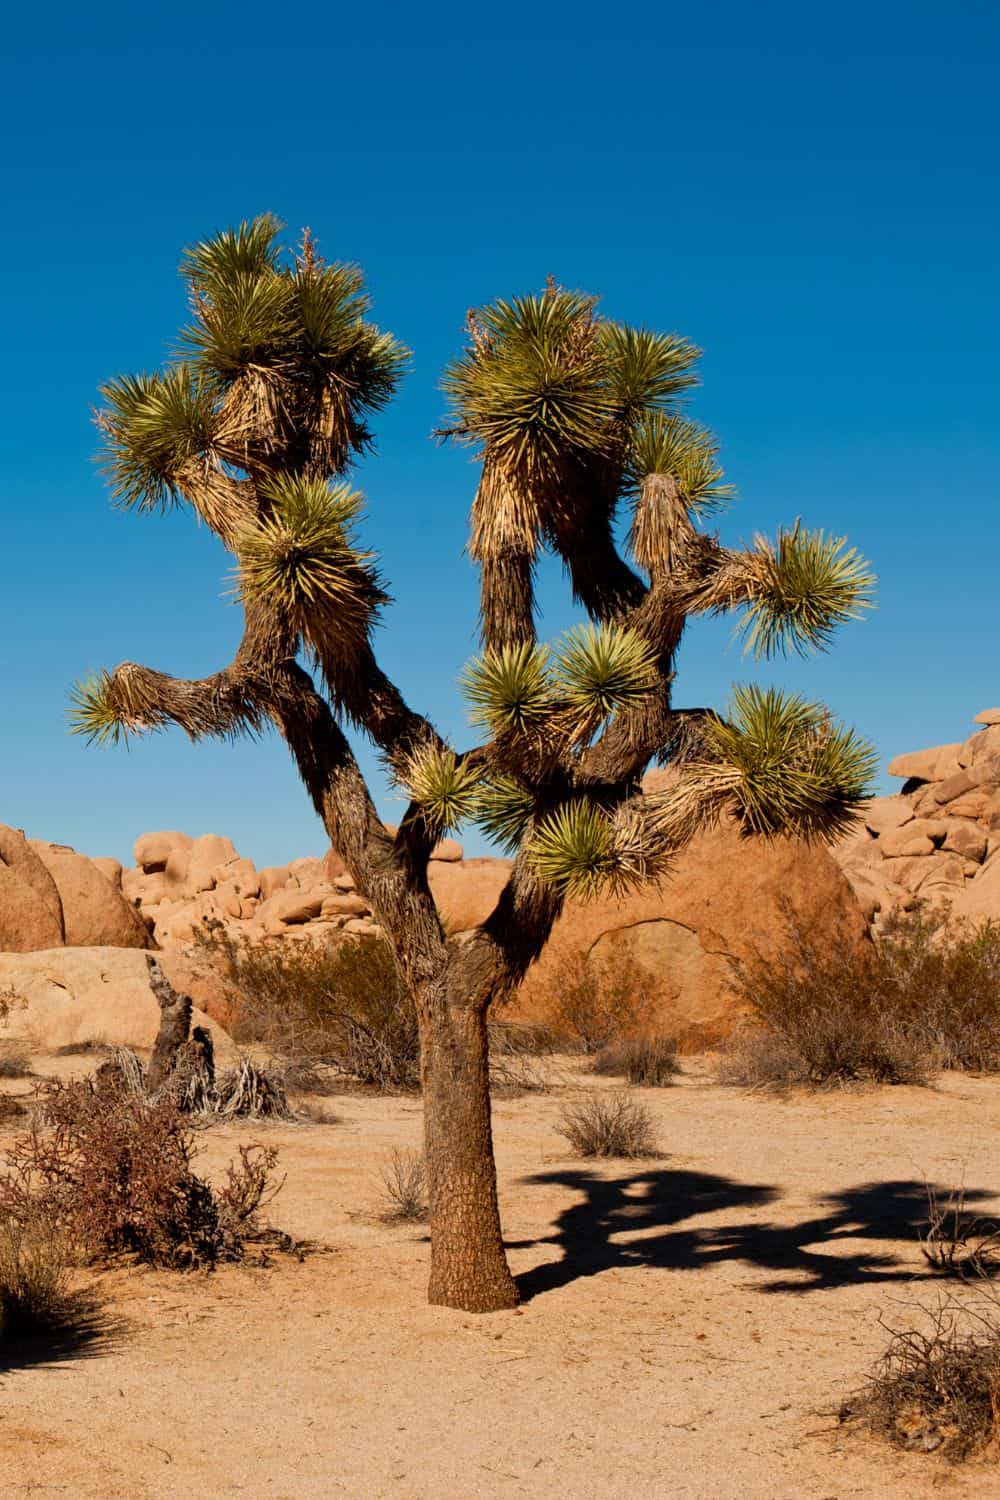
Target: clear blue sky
<point x="808" y="191"/>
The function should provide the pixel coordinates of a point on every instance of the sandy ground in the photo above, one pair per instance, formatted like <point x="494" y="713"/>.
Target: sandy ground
<point x="690" y="1324"/>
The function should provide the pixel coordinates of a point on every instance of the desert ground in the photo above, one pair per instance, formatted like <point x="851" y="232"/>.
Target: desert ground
<point x="690" y="1324"/>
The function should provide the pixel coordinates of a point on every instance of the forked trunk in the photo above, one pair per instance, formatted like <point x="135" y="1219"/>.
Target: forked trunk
<point x="469" y="1269"/>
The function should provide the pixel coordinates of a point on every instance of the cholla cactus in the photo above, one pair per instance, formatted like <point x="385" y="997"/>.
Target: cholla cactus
<point x="577" y="424"/>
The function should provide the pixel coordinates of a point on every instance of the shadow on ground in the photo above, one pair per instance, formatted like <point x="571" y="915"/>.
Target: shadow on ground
<point x="84" y="1328"/>
<point x="830" y="1248"/>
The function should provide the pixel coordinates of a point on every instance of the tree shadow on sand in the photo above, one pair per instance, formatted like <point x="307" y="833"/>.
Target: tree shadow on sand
<point x="83" y="1327"/>
<point x="812" y="1255"/>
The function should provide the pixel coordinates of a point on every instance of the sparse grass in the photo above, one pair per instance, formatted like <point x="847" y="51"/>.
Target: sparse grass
<point x="15" y="1061"/>
<point x="404" y="1183"/>
<point x="35" y="1268"/>
<point x="84" y="1048"/>
<point x="956" y="1242"/>
<point x="609" y="1125"/>
<point x="833" y="1010"/>
<point x="339" y="1005"/>
<point x="645" y="1061"/>
<point x="937" y="1389"/>
<point x="112" y="1172"/>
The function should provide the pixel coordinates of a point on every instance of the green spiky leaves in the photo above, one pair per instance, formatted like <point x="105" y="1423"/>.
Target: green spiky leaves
<point x="602" y="669"/>
<point x="663" y="444"/>
<point x="249" y="250"/>
<point x="301" y="558"/>
<point x="504" y="811"/>
<point x="510" y="691"/>
<point x="573" y="850"/>
<point x="93" y="711"/>
<point x="446" y="788"/>
<point x="800" y="590"/>
<point x="154" y="426"/>
<point x="646" y="371"/>
<point x="782" y="766"/>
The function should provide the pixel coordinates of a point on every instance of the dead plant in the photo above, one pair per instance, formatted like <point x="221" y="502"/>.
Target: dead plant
<point x="645" y="1061"/>
<point x="956" y="1242"/>
<point x="608" y="1124"/>
<point x="404" y="1182"/>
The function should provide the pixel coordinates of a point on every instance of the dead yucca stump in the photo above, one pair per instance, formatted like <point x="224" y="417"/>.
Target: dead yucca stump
<point x="251" y="1092"/>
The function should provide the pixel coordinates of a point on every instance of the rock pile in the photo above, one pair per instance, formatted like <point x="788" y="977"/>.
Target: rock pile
<point x="51" y="897"/>
<point x="181" y="883"/>
<point x="938" y="839"/>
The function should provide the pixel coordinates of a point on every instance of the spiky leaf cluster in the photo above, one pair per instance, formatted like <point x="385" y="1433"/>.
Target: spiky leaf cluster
<point x="504" y="811"/>
<point x="670" y="444"/>
<point x="93" y="712"/>
<point x="154" y="427"/>
<point x="510" y="691"/>
<point x="446" y="788"/>
<point x="573" y="850"/>
<point x="782" y="766"/>
<point x="800" y="590"/>
<point x="300" y="556"/>
<point x="602" y="669"/>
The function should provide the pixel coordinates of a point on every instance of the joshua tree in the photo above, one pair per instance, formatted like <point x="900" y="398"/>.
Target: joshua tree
<point x="575" y="419"/>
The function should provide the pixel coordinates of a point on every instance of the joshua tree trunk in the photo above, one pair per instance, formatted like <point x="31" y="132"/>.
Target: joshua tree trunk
<point x="468" y="1265"/>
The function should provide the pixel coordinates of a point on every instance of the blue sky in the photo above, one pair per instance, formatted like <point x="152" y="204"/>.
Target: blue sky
<point x="808" y="191"/>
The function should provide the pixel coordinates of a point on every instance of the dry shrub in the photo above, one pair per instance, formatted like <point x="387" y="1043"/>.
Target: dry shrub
<point x="35" y="1261"/>
<point x="645" y="1061"/>
<point x="939" y="1390"/>
<point x="608" y="1124"/>
<point x="15" y="1061"/>
<point x="596" y="1002"/>
<point x="835" y="1011"/>
<point x="248" y="1091"/>
<point x="340" y="1005"/>
<point x="11" y="1108"/>
<point x="113" y="1173"/>
<point x="404" y="1183"/>
<point x="957" y="1242"/>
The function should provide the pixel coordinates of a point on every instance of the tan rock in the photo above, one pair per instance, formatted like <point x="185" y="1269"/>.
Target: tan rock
<point x="966" y="840"/>
<point x="77" y="995"/>
<point x="334" y="868"/>
<point x="901" y="843"/>
<point x="908" y="871"/>
<point x="144" y="890"/>
<point x="466" y="893"/>
<point x="981" y="746"/>
<point x="972" y="805"/>
<point x="272" y="878"/>
<point x="30" y="909"/>
<point x="152" y="850"/>
<point x="342" y="905"/>
<point x="177" y="867"/>
<point x="361" y="927"/>
<point x="343" y="882"/>
<point x="308" y="872"/>
<point x="954" y="786"/>
<point x="448" y="850"/>
<point x="980" y="900"/>
<point x="290" y="907"/>
<point x="242" y="876"/>
<point x="926" y="765"/>
<point x="95" y="914"/>
<point x="988" y="716"/>
<point x="227" y="900"/>
<point x="209" y="856"/>
<point x="882" y="814"/>
<point x="111" y="869"/>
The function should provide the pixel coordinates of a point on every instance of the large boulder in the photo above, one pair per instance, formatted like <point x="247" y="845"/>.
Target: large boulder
<point x="465" y="893"/>
<point x="31" y="913"/>
<point x="727" y="898"/>
<point x="71" y="996"/>
<point x="95" y="914"/>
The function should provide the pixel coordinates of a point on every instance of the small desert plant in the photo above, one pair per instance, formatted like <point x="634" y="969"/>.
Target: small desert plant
<point x="35" y="1262"/>
<point x="957" y="1242"/>
<point x="404" y="1183"/>
<point x="15" y="1061"/>
<point x="939" y="1389"/>
<point x="339" y="1004"/>
<point x="645" y="1061"/>
<point x="596" y="1002"/>
<point x="11" y="1108"/>
<point x="755" y="1056"/>
<point x="113" y="1173"/>
<point x="608" y="1124"/>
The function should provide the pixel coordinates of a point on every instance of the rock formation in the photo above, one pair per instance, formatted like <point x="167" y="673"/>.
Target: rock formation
<point x="51" y="896"/>
<point x="938" y="839"/>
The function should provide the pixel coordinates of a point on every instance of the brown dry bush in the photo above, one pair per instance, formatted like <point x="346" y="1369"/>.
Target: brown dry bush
<point x="15" y="1061"/>
<point x="957" y="1242"/>
<point x="836" y="1011"/>
<point x="338" y="1005"/>
<point x="596" y="1002"/>
<point x="404" y="1184"/>
<point x="113" y="1173"/>
<point x="645" y="1061"/>
<point x="608" y="1124"/>
<point x="939" y="1390"/>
